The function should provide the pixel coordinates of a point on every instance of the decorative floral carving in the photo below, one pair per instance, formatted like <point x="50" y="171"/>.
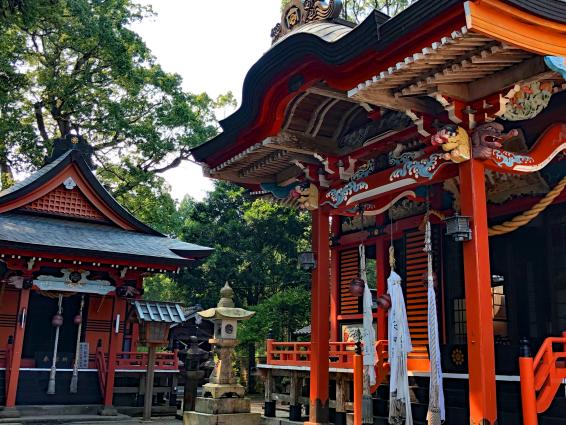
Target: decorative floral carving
<point x="528" y="101"/>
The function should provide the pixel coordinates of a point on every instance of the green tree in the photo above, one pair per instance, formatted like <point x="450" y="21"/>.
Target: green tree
<point x="282" y="314"/>
<point x="76" y="66"/>
<point x="256" y="244"/>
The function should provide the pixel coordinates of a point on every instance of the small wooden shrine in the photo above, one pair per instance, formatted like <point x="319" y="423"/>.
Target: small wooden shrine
<point x="452" y="112"/>
<point x="71" y="261"/>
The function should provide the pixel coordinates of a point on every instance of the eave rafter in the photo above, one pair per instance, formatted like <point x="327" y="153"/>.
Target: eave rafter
<point x="499" y="20"/>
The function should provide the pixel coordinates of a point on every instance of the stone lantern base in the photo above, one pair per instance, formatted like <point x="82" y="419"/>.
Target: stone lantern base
<point x="222" y="411"/>
<point x="223" y="391"/>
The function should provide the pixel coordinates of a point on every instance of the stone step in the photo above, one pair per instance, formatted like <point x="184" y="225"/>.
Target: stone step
<point x="67" y="419"/>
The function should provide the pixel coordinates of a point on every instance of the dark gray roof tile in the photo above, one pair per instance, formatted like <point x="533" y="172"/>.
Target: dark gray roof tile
<point x="53" y="234"/>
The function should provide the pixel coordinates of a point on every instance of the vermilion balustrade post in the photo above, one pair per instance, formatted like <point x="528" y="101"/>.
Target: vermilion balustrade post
<point x="358" y="385"/>
<point x="528" y="395"/>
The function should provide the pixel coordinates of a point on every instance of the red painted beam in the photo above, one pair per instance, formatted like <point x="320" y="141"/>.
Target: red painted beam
<point x="549" y="144"/>
<point x="386" y="186"/>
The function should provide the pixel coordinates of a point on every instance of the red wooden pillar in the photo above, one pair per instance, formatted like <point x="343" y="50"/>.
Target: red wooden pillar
<point x="319" y="376"/>
<point x="118" y="314"/>
<point x="334" y="282"/>
<point x="382" y="271"/>
<point x="481" y="357"/>
<point x="16" y="358"/>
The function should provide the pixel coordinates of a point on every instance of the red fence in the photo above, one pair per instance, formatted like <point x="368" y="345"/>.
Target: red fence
<point x="341" y="356"/>
<point x="541" y="377"/>
<point x="138" y="361"/>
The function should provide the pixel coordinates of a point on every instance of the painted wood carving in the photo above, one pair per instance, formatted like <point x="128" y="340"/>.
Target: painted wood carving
<point x="550" y="144"/>
<point x="527" y="101"/>
<point x="300" y="12"/>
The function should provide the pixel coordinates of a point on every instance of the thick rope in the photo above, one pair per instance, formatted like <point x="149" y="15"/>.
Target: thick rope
<point x="529" y="215"/>
<point x="518" y="221"/>
<point x="436" y="412"/>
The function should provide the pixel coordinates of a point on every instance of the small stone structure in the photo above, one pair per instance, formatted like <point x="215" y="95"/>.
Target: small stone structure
<point x="223" y="400"/>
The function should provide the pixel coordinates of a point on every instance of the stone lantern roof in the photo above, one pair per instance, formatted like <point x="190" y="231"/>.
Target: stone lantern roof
<point x="226" y="310"/>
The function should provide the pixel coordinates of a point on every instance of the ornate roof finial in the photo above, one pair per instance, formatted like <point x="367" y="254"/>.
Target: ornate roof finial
<point x="299" y="12"/>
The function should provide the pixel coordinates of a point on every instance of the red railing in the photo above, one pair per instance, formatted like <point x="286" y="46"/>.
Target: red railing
<point x="138" y="361"/>
<point x="541" y="378"/>
<point x="299" y="354"/>
<point x="341" y="356"/>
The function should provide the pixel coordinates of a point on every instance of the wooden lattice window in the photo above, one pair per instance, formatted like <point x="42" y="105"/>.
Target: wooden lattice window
<point x="349" y="269"/>
<point x="62" y="201"/>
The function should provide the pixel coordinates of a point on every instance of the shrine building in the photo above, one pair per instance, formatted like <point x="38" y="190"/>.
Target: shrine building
<point x="451" y="113"/>
<point x="72" y="263"/>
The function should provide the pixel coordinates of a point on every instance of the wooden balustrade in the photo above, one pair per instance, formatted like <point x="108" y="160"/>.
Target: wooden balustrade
<point x="341" y="356"/>
<point x="541" y="377"/>
<point x="138" y="361"/>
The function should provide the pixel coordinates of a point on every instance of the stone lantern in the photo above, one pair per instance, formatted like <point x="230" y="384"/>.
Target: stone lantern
<point x="225" y="316"/>
<point x="222" y="395"/>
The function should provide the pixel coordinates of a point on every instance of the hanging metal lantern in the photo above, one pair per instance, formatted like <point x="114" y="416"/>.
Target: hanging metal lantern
<point x="458" y="226"/>
<point x="57" y="321"/>
<point x="306" y="260"/>
<point x="357" y="286"/>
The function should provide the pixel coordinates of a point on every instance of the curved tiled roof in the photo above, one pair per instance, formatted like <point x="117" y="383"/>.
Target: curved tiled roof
<point x="99" y="240"/>
<point x="327" y="31"/>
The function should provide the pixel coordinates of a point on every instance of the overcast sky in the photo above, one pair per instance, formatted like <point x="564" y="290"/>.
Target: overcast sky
<point x="211" y="44"/>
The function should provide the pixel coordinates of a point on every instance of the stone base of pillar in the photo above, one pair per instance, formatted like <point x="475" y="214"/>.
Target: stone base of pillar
<point x="108" y="411"/>
<point x="10" y="412"/>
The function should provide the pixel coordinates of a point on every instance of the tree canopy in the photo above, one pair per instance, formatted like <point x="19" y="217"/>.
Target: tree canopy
<point x="255" y="246"/>
<point x="77" y="66"/>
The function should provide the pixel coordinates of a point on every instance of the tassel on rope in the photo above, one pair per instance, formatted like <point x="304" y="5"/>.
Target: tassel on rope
<point x="399" y="346"/>
<point x="436" y="411"/>
<point x="52" y="374"/>
<point x="369" y="353"/>
<point x="75" y="378"/>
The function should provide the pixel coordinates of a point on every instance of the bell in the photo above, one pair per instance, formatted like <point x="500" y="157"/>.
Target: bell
<point x="384" y="301"/>
<point x="57" y="321"/>
<point x="77" y="319"/>
<point x="357" y="286"/>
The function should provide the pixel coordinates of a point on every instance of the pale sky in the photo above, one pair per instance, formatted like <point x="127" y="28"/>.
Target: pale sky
<point x="211" y="44"/>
